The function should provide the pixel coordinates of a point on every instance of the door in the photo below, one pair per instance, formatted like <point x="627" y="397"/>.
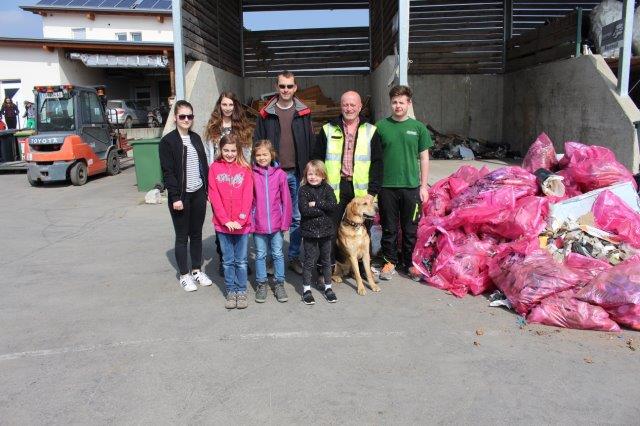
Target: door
<point x="94" y="128"/>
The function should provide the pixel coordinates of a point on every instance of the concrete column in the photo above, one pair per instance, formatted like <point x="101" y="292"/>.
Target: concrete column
<point x="178" y="48"/>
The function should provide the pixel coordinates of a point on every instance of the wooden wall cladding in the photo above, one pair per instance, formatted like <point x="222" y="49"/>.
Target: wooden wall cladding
<point x="559" y="39"/>
<point x="212" y="32"/>
<point x="530" y="14"/>
<point x="305" y="52"/>
<point x="271" y="5"/>
<point x="456" y="36"/>
<point x="382" y="14"/>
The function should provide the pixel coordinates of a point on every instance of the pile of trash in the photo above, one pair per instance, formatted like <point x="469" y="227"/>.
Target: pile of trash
<point x="559" y="239"/>
<point x="453" y="146"/>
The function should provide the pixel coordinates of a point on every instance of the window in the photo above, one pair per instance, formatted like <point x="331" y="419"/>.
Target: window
<point x="91" y="109"/>
<point x="79" y="33"/>
<point x="143" y="96"/>
<point x="136" y="36"/>
<point x="121" y="36"/>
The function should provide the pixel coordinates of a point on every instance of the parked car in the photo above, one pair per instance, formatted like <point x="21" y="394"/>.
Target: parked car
<point x="126" y="113"/>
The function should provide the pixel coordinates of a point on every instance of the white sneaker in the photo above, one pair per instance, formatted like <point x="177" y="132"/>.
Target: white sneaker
<point x="201" y="278"/>
<point x="187" y="283"/>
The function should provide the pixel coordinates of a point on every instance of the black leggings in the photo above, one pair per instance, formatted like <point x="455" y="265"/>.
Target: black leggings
<point x="188" y="226"/>
<point x="314" y="248"/>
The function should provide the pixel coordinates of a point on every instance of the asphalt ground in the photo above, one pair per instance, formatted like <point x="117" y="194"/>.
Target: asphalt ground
<point x="94" y="329"/>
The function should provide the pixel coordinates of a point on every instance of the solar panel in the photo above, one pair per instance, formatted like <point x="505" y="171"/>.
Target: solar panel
<point x="110" y="4"/>
<point x="147" y="4"/>
<point x="164" y="5"/>
<point x="125" y="4"/>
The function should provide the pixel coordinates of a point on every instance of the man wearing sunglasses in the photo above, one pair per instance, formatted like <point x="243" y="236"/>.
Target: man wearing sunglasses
<point x="286" y="122"/>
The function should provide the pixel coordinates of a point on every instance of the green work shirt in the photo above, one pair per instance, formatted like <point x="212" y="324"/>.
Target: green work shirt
<point x="402" y="143"/>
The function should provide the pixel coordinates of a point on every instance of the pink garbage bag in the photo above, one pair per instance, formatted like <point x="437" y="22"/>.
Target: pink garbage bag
<point x="585" y="267"/>
<point x="454" y="261"/>
<point x="527" y="276"/>
<point x="527" y="218"/>
<point x="617" y="290"/>
<point x="571" y="313"/>
<point x="494" y="193"/>
<point x="541" y="155"/>
<point x="441" y="193"/>
<point x="614" y="215"/>
<point x="593" y="167"/>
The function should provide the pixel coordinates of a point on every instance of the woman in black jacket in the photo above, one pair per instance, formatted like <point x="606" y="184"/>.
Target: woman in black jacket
<point x="185" y="171"/>
<point x="317" y="204"/>
<point x="10" y="113"/>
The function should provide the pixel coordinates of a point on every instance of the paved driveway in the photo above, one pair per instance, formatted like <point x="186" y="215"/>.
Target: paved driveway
<point x="94" y="329"/>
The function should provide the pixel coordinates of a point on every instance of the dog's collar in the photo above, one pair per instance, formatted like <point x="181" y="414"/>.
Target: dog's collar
<point x="351" y="223"/>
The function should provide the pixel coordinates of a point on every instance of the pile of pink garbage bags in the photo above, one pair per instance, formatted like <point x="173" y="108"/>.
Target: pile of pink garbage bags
<point x="480" y="232"/>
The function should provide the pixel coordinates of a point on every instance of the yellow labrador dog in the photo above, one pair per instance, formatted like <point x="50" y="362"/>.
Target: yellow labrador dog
<point x="353" y="240"/>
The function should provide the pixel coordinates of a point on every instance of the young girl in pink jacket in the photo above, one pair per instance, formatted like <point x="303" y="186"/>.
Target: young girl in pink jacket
<point x="271" y="217"/>
<point x="231" y="194"/>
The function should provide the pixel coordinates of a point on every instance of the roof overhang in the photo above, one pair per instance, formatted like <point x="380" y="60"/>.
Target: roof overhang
<point x="91" y="46"/>
<point x="43" y="10"/>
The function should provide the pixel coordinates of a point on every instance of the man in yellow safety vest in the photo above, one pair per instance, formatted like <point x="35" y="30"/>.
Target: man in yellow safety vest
<point x="352" y="152"/>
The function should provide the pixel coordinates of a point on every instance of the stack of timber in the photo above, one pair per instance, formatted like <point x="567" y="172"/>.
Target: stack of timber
<point x="322" y="107"/>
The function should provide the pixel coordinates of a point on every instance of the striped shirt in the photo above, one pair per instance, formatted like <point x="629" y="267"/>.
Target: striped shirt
<point x="194" y="180"/>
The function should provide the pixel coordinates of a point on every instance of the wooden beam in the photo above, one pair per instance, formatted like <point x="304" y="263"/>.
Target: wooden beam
<point x="91" y="16"/>
<point x="160" y="19"/>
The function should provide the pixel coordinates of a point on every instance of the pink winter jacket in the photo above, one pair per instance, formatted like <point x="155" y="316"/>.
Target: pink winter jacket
<point x="231" y="196"/>
<point x="271" y="200"/>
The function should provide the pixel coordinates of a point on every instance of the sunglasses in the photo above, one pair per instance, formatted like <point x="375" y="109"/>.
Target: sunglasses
<point x="183" y="117"/>
<point x="288" y="86"/>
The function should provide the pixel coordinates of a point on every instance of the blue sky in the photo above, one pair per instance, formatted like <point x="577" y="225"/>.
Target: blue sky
<point x="14" y="22"/>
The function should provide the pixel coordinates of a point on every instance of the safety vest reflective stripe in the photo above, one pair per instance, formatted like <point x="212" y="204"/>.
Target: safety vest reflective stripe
<point x="361" y="159"/>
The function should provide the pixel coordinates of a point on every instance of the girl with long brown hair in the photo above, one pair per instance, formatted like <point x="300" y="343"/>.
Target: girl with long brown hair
<point x="228" y="117"/>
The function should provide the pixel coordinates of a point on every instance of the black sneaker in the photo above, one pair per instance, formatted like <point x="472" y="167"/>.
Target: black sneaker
<point x="307" y="298"/>
<point x="330" y="295"/>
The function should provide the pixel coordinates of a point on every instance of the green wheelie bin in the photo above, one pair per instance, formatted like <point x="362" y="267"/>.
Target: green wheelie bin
<point x="147" y="159"/>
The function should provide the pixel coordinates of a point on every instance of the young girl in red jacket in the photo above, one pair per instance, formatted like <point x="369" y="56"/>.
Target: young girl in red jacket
<point x="231" y="194"/>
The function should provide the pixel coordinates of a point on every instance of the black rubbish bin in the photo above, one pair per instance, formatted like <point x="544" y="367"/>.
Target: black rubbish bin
<point x="7" y="147"/>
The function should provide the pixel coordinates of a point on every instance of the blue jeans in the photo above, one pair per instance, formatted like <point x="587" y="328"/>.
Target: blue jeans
<point x="266" y="243"/>
<point x="234" y="261"/>
<point x="295" y="240"/>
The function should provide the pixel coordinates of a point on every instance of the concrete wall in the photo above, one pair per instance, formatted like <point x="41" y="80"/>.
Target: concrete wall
<point x="203" y="85"/>
<point x="468" y="105"/>
<point x="380" y="86"/>
<point x="333" y="86"/>
<point x="573" y="99"/>
<point x="105" y="27"/>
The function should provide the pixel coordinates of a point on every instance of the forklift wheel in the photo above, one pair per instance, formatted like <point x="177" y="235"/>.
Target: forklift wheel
<point x="34" y="182"/>
<point x="113" y="163"/>
<point x="78" y="174"/>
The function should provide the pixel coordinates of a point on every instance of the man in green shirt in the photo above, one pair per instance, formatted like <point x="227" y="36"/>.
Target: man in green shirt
<point x="405" y="144"/>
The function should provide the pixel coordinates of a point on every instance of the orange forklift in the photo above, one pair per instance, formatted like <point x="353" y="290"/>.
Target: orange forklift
<point x="74" y="138"/>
